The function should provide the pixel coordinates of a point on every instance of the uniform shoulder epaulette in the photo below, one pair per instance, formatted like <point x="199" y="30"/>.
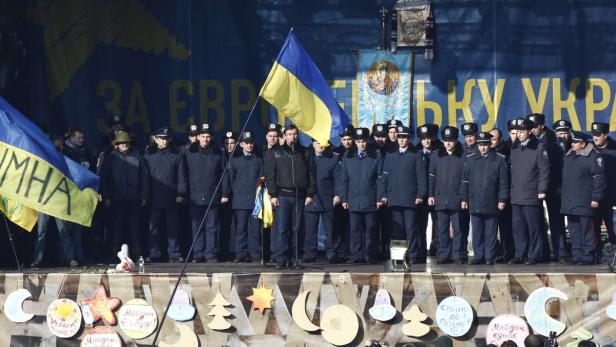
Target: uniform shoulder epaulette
<point x="470" y="155"/>
<point x="335" y="154"/>
<point x="501" y="155"/>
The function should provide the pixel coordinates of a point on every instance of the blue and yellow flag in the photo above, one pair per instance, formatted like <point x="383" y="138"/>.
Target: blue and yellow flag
<point x="297" y="89"/>
<point x="263" y="205"/>
<point x="19" y="214"/>
<point x="33" y="173"/>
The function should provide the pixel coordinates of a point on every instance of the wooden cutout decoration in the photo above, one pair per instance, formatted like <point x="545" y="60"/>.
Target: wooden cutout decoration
<point x="454" y="316"/>
<point x="261" y="298"/>
<point x="382" y="310"/>
<point x="102" y="306"/>
<point x="137" y="319"/>
<point x="579" y="335"/>
<point x="101" y="336"/>
<point x="219" y="312"/>
<point x="339" y="324"/>
<point x="181" y="309"/>
<point x="610" y="311"/>
<point x="415" y="327"/>
<point x="507" y="327"/>
<point x="534" y="310"/>
<point x="187" y="338"/>
<point x="63" y="318"/>
<point x="298" y="312"/>
<point x="13" y="306"/>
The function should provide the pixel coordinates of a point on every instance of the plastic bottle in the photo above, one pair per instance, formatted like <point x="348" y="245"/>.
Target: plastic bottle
<point x="141" y="265"/>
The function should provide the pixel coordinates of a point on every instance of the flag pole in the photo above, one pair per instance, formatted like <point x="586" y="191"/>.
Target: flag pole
<point x="8" y="232"/>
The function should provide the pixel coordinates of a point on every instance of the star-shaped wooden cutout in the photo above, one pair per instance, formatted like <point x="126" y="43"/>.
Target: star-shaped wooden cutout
<point x="102" y="306"/>
<point x="261" y="298"/>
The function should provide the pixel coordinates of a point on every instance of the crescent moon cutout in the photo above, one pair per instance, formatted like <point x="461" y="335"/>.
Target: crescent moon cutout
<point x="13" y="306"/>
<point x="298" y="312"/>
<point x="187" y="338"/>
<point x="534" y="310"/>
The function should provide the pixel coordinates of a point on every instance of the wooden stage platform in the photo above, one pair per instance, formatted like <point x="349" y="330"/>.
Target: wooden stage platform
<point x="490" y="291"/>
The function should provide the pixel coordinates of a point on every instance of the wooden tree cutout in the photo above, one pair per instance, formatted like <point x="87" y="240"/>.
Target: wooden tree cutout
<point x="219" y="312"/>
<point x="415" y="327"/>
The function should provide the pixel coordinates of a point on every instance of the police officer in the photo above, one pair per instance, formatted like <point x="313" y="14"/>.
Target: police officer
<point x="584" y="191"/>
<point x="404" y="189"/>
<point x="192" y="130"/>
<point x="271" y="137"/>
<point x="245" y="169"/>
<point x="168" y="188"/>
<point x="341" y="215"/>
<point x="469" y="131"/>
<point x="383" y="145"/>
<point x="392" y="125"/>
<point x="548" y="139"/>
<point x="361" y="169"/>
<point x="486" y="176"/>
<point x="445" y="174"/>
<point x="205" y="164"/>
<point x="226" y="241"/>
<point x="125" y="189"/>
<point x="290" y="174"/>
<point x="379" y="137"/>
<point x="530" y="176"/>
<point x="513" y="132"/>
<point x="328" y="169"/>
<point x="606" y="146"/>
<point x="428" y="143"/>
<point x="562" y="128"/>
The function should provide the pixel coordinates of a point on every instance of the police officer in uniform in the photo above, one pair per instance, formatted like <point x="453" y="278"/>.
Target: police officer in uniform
<point x="205" y="163"/>
<point x="226" y="241"/>
<point x="548" y="139"/>
<point x="361" y="169"/>
<point x="469" y="131"/>
<point x="245" y="169"/>
<point x="341" y="215"/>
<point x="192" y="130"/>
<point x="383" y="145"/>
<point x="392" y="125"/>
<point x="379" y="137"/>
<point x="530" y="176"/>
<point x="485" y="191"/>
<point x="445" y="173"/>
<point x="271" y="137"/>
<point x="584" y="191"/>
<point x="606" y="146"/>
<point x="168" y="188"/>
<point x="562" y="128"/>
<point x="427" y="144"/>
<point x="328" y="170"/>
<point x="404" y="189"/>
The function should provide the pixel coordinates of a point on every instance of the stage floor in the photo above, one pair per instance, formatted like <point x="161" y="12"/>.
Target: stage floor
<point x="323" y="266"/>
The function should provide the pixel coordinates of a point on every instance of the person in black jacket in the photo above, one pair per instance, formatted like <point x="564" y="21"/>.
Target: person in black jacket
<point x="585" y="189"/>
<point x="485" y="191"/>
<point x="192" y="130"/>
<point x="469" y="131"/>
<point x="548" y="139"/>
<point x="404" y="189"/>
<point x="168" y="188"/>
<point x="383" y="145"/>
<point x="427" y="144"/>
<point x="341" y="215"/>
<point x="361" y="169"/>
<point x="392" y="125"/>
<point x="226" y="244"/>
<point x="205" y="163"/>
<point x="530" y="177"/>
<point x="245" y="169"/>
<point x="290" y="174"/>
<point x="271" y="141"/>
<point x="327" y="164"/>
<point x="125" y="189"/>
<point x="445" y="174"/>
<point x="562" y="128"/>
<point x="606" y="146"/>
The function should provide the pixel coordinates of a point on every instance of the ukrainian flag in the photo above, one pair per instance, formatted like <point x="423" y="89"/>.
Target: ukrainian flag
<point x="34" y="174"/>
<point x="297" y="89"/>
<point x="263" y="204"/>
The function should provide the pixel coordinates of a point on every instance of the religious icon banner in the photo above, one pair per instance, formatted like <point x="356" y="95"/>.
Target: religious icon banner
<point x="384" y="87"/>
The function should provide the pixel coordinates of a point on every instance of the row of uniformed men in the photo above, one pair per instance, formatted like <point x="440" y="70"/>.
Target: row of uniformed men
<point x="382" y="185"/>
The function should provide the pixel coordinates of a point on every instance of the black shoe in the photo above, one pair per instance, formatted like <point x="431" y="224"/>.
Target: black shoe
<point x="333" y="260"/>
<point x="354" y="261"/>
<point x="441" y="261"/>
<point x="515" y="261"/>
<point x="152" y="259"/>
<point x="280" y="266"/>
<point x="475" y="262"/>
<point x="176" y="260"/>
<point x="460" y="261"/>
<point x="584" y="262"/>
<point x="489" y="262"/>
<point x="239" y="260"/>
<point x="373" y="261"/>
<point x="308" y="260"/>
<point x="531" y="261"/>
<point x="566" y="261"/>
<point x="213" y="260"/>
<point x="36" y="263"/>
<point x="198" y="260"/>
<point x="412" y="261"/>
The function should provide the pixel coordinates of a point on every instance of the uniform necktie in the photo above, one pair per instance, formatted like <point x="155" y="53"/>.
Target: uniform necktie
<point x="361" y="155"/>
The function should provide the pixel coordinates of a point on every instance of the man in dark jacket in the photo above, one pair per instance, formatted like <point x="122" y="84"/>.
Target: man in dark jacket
<point x="428" y="143"/>
<point x="504" y="248"/>
<point x="548" y="139"/>
<point x="361" y="169"/>
<point x="485" y="191"/>
<point x="383" y="145"/>
<point x="192" y="130"/>
<point x="245" y="169"/>
<point x="269" y="237"/>
<point x="606" y="146"/>
<point x="469" y="131"/>
<point x="530" y="177"/>
<point x="168" y="188"/>
<point x="341" y="215"/>
<point x="562" y="128"/>
<point x="445" y="174"/>
<point x="327" y="164"/>
<point x="404" y="189"/>
<point x="585" y="189"/>
<point x="290" y="174"/>
<point x="125" y="189"/>
<point x="205" y="163"/>
<point x="226" y="244"/>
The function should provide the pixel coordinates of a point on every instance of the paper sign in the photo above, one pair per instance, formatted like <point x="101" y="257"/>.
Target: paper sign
<point x="63" y="318"/>
<point x="137" y="319"/>
<point x="101" y="336"/>
<point x="454" y="316"/>
<point x="507" y="327"/>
